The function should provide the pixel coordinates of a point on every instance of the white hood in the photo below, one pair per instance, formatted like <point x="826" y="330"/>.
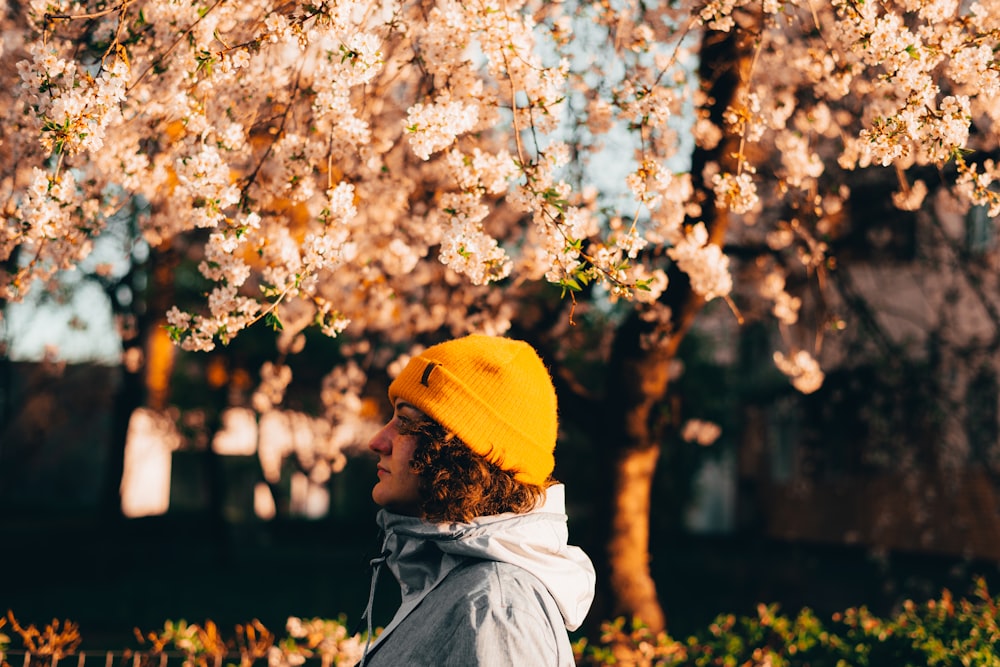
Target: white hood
<point x="421" y="554"/>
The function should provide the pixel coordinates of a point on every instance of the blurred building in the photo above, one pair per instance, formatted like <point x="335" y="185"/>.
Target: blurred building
<point x="900" y="448"/>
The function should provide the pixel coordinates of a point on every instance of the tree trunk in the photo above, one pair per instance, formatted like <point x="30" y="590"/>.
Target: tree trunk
<point x="628" y="545"/>
<point x="634" y="430"/>
<point x="640" y="373"/>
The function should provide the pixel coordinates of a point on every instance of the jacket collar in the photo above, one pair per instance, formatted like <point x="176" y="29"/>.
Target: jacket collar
<point x="421" y="553"/>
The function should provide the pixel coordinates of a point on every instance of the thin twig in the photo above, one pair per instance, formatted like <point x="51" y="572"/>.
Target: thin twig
<point x="177" y="41"/>
<point x="48" y="16"/>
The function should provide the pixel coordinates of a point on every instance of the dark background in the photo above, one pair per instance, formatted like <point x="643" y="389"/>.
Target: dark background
<point x="112" y="579"/>
<point x="63" y="557"/>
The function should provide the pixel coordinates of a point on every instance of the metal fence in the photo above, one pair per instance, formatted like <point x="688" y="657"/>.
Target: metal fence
<point x="99" y="659"/>
<point x="138" y="658"/>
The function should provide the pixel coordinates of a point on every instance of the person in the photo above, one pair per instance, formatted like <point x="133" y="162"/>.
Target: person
<point x="473" y="525"/>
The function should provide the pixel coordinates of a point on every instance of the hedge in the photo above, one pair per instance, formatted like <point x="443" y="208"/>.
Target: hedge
<point x="942" y="632"/>
<point x="939" y="633"/>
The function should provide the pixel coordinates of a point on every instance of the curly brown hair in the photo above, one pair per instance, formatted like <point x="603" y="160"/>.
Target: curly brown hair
<point x="457" y="484"/>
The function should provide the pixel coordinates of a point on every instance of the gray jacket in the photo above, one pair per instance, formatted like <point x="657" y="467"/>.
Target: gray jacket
<point x="501" y="591"/>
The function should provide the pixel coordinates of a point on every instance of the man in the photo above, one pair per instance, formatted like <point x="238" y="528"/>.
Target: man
<point x="474" y="526"/>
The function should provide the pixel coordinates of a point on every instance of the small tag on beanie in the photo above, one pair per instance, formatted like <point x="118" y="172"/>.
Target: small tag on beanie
<point x="427" y="373"/>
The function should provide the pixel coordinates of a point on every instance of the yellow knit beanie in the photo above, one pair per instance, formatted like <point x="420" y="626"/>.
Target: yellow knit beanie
<point x="494" y="393"/>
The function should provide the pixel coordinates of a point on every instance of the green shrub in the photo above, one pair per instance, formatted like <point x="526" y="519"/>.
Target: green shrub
<point x="939" y="633"/>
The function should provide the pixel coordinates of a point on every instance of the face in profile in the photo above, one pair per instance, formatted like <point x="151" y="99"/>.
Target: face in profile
<point x="398" y="487"/>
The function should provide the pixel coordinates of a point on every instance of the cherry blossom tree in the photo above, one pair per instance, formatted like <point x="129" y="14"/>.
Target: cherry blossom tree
<point x="391" y="172"/>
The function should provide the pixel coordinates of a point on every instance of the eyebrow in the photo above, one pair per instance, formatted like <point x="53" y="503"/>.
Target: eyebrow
<point x="408" y="406"/>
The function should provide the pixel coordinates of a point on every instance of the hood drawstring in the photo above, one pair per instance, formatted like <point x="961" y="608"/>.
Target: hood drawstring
<point x="376" y="565"/>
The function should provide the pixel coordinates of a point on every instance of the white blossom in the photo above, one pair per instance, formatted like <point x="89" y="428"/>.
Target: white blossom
<point x="802" y="369"/>
<point x="704" y="263"/>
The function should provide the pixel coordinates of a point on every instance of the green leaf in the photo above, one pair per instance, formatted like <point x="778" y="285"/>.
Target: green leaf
<point x="175" y="332"/>
<point x="273" y="321"/>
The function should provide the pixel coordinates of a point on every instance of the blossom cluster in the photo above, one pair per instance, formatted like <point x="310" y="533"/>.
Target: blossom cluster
<point x="704" y="263"/>
<point x="380" y="167"/>
<point x="786" y="307"/>
<point x="700" y="431"/>
<point x="54" y="223"/>
<point x="802" y="369"/>
<point x="70" y="106"/>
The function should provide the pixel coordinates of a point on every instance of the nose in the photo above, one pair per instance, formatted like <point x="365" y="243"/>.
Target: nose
<point x="381" y="443"/>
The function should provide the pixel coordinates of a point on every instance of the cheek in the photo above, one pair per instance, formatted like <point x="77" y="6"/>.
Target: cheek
<point x="403" y="450"/>
<point x="410" y="478"/>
